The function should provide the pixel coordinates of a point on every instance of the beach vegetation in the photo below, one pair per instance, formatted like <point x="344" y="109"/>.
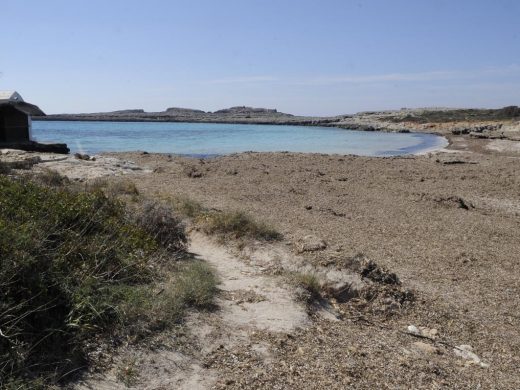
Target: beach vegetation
<point x="78" y="269"/>
<point x="234" y="224"/>
<point x="469" y="115"/>
<point x="5" y="168"/>
<point x="113" y="187"/>
<point x="308" y="282"/>
<point x="187" y="207"/>
<point x="50" y="177"/>
<point x="163" y="225"/>
<point x="128" y="371"/>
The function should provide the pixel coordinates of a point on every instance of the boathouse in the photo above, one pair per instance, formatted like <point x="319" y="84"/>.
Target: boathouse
<point x="15" y="118"/>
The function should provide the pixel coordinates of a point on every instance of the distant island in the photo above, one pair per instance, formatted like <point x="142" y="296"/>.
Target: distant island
<point x="481" y="123"/>
<point x="239" y="114"/>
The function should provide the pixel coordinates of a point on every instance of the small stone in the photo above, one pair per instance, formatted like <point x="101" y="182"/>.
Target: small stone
<point x="466" y="352"/>
<point x="81" y="156"/>
<point x="310" y="244"/>
<point x="419" y="346"/>
<point x="413" y="330"/>
<point x="427" y="332"/>
<point x="423" y="331"/>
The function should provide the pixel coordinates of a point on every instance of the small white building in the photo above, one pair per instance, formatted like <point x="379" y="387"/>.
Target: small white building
<point x="15" y="117"/>
<point x="11" y="96"/>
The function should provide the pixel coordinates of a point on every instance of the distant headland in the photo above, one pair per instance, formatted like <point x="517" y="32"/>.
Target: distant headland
<point x="480" y="123"/>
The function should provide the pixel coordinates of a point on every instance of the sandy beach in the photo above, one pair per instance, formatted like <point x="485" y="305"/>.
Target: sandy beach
<point x="446" y="223"/>
<point x="250" y="195"/>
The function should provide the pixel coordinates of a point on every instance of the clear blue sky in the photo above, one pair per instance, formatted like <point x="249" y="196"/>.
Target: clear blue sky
<point x="299" y="56"/>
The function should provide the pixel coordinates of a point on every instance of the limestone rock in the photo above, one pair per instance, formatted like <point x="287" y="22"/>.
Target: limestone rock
<point x="466" y="352"/>
<point x="310" y="243"/>
<point x="425" y="348"/>
<point x="423" y="331"/>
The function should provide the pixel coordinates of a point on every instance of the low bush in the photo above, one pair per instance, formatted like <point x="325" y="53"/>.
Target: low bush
<point x="308" y="282"/>
<point x="61" y="255"/>
<point x="196" y="284"/>
<point x="74" y="267"/>
<point x="160" y="222"/>
<point x="187" y="207"/>
<point x="113" y="187"/>
<point x="228" y="223"/>
<point x="5" y="168"/>
<point x="50" y="177"/>
<point x="236" y="224"/>
<point x="148" y="310"/>
<point x="471" y="115"/>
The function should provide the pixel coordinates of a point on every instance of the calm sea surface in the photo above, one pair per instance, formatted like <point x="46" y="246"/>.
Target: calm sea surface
<point x="206" y="139"/>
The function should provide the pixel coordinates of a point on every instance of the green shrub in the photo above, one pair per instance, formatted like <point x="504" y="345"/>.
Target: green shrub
<point x="196" y="284"/>
<point x="113" y="187"/>
<point x="187" y="207"/>
<point x="5" y="168"/>
<point x="471" y="115"/>
<point x="72" y="266"/>
<point x="160" y="222"/>
<point x="228" y="223"/>
<point x="146" y="309"/>
<point x="50" y="177"/>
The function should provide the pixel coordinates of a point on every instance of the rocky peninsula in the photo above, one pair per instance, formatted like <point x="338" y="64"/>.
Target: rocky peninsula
<point x="503" y="123"/>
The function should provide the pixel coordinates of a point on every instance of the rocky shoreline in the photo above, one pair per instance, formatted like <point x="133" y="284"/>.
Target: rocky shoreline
<point x="501" y="123"/>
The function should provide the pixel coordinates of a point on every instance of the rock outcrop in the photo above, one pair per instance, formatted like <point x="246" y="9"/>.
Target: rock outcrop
<point x="503" y="123"/>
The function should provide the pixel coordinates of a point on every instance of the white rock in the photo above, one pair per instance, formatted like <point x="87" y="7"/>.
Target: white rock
<point x="423" y="331"/>
<point x="425" y="348"/>
<point x="466" y="352"/>
<point x="310" y="243"/>
<point x="413" y="330"/>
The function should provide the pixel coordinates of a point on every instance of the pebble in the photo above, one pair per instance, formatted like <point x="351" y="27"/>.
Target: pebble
<point x="426" y="348"/>
<point x="466" y="352"/>
<point x="310" y="244"/>
<point x="423" y="331"/>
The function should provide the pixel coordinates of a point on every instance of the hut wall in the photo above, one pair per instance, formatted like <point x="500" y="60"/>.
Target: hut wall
<point x="14" y="125"/>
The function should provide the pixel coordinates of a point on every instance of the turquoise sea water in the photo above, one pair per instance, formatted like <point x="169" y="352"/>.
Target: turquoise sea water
<point x="206" y="139"/>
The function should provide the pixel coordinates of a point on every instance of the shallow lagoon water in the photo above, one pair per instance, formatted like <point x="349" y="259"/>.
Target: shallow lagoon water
<point x="207" y="139"/>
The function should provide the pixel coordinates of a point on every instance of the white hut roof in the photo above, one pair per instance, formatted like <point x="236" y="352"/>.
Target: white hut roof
<point x="14" y="99"/>
<point x="11" y="96"/>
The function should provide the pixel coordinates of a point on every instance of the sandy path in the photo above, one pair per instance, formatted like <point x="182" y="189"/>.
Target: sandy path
<point x="270" y="305"/>
<point x="249" y="301"/>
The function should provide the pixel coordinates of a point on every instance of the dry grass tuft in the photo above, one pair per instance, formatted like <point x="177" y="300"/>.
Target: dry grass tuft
<point x="236" y="224"/>
<point x="187" y="207"/>
<point x="160" y="222"/>
<point x="113" y="187"/>
<point x="309" y="282"/>
<point x="50" y="177"/>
